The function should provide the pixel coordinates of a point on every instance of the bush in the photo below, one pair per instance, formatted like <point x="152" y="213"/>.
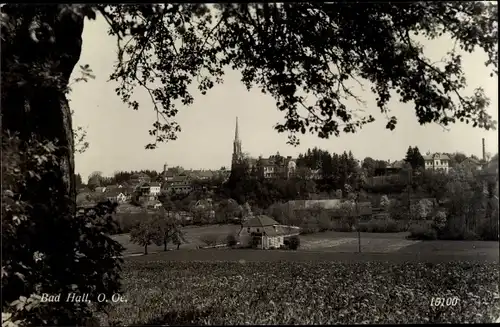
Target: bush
<point x="422" y="233"/>
<point x="384" y="202"/>
<point x="439" y="220"/>
<point x="381" y="226"/>
<point x="488" y="228"/>
<point x="294" y="242"/>
<point x="398" y="211"/>
<point x="231" y="240"/>
<point x="340" y="225"/>
<point x="209" y="239"/>
<point x="46" y="247"/>
<point x="324" y="222"/>
<point x="309" y="227"/>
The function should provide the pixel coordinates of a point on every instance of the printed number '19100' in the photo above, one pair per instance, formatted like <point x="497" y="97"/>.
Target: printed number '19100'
<point x="444" y="301"/>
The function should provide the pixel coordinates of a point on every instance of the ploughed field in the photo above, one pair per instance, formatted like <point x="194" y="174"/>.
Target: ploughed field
<point x="277" y="292"/>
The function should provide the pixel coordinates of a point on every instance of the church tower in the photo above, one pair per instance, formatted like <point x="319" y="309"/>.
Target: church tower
<point x="237" y="153"/>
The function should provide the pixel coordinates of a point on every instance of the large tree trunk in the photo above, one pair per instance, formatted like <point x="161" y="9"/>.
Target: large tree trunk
<point x="39" y="48"/>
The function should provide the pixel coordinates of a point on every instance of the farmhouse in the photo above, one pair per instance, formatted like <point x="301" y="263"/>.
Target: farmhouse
<point x="265" y="233"/>
<point x="116" y="196"/>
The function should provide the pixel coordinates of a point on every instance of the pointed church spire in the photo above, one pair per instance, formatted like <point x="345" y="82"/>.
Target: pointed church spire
<point x="236" y="132"/>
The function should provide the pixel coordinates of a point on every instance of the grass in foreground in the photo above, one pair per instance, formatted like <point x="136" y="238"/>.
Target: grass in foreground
<point x="191" y="293"/>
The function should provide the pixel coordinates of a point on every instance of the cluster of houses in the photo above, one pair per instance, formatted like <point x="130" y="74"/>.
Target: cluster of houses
<point x="438" y="162"/>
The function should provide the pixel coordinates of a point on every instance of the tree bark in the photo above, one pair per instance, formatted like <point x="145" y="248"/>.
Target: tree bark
<point x="40" y="47"/>
<point x="146" y="249"/>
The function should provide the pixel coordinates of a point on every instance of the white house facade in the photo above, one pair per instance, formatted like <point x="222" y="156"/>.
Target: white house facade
<point x="437" y="162"/>
<point x="265" y="233"/>
<point x="154" y="189"/>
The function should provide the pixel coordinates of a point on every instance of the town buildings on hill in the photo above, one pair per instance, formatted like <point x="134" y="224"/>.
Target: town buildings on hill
<point x="275" y="166"/>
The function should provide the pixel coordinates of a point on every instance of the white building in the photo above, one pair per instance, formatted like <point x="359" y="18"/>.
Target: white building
<point x="437" y="162"/>
<point x="154" y="188"/>
<point x="266" y="231"/>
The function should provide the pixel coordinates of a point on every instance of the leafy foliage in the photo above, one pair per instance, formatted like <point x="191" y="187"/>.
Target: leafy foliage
<point x="370" y="164"/>
<point x="147" y="232"/>
<point x="439" y="220"/>
<point x="46" y="249"/>
<point x="381" y="226"/>
<point x="169" y="226"/>
<point x="419" y="232"/>
<point x="415" y="158"/>
<point x="384" y="202"/>
<point x="291" y="51"/>
<point x="421" y="209"/>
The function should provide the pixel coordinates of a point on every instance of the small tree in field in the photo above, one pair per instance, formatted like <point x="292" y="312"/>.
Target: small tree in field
<point x="210" y="239"/>
<point x="178" y="237"/>
<point x="169" y="227"/>
<point x="147" y="232"/>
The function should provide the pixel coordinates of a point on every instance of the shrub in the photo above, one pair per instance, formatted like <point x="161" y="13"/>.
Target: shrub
<point x="309" y="227"/>
<point x="488" y="228"/>
<point x="398" y="211"/>
<point x="231" y="240"/>
<point x="439" y="220"/>
<point x="46" y="247"/>
<point x="324" y="222"/>
<point x="294" y="242"/>
<point x="381" y="226"/>
<point x="384" y="202"/>
<point x="422" y="233"/>
<point x="340" y="225"/>
<point x="209" y="239"/>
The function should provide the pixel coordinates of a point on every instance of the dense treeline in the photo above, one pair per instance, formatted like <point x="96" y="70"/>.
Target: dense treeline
<point x="335" y="171"/>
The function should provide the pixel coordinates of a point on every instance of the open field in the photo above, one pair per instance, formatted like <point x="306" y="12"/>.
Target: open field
<point x="248" y="255"/>
<point x="192" y="234"/>
<point x="335" y="242"/>
<point x="190" y="293"/>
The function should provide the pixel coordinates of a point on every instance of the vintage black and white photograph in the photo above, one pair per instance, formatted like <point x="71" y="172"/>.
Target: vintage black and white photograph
<point x="242" y="163"/>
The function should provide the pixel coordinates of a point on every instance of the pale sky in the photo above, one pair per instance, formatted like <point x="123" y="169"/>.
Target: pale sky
<point x="117" y="134"/>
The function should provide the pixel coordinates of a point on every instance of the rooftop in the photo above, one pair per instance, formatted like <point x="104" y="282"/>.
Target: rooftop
<point x="260" y="221"/>
<point x="436" y="156"/>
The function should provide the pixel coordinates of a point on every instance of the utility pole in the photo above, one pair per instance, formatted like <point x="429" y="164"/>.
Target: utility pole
<point x="358" y="218"/>
<point x="409" y="192"/>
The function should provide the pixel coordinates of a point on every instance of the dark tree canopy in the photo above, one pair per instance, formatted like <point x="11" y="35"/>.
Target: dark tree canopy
<point x="414" y="158"/>
<point x="303" y="54"/>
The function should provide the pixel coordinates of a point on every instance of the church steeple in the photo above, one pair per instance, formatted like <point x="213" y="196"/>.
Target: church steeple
<point x="237" y="153"/>
<point x="236" y="132"/>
